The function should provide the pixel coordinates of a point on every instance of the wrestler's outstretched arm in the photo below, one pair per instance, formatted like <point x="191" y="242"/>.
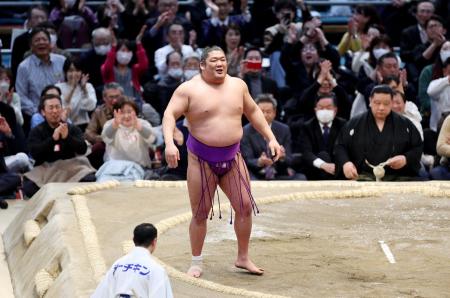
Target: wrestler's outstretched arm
<point x="256" y="118"/>
<point x="177" y="106"/>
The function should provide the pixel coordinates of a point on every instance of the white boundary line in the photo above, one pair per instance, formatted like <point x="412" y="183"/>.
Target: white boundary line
<point x="387" y="252"/>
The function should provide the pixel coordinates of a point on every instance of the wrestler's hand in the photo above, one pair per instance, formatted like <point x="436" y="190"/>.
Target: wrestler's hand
<point x="350" y="171"/>
<point x="172" y="155"/>
<point x="275" y="150"/>
<point x="397" y="162"/>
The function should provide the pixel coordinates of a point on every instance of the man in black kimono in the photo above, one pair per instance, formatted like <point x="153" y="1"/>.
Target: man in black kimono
<point x="57" y="148"/>
<point x="377" y="136"/>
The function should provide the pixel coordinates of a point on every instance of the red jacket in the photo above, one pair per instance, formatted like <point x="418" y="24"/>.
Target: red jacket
<point x="137" y="70"/>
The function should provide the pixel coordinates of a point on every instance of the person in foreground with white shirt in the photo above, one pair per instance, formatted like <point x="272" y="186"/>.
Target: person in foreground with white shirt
<point x="137" y="274"/>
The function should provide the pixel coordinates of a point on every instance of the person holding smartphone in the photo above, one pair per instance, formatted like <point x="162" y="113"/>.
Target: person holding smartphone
<point x="251" y="73"/>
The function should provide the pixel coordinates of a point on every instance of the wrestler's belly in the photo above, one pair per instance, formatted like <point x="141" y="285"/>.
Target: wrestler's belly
<point x="217" y="133"/>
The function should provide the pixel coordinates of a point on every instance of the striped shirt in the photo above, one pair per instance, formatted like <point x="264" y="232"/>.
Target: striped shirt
<point x="33" y="75"/>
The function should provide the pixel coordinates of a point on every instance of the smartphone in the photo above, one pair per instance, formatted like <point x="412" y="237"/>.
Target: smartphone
<point x="253" y="65"/>
<point x="287" y="18"/>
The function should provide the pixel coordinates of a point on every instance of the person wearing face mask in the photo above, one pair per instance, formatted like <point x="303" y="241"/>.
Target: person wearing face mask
<point x="439" y="92"/>
<point x="175" y="37"/>
<point x="378" y="46"/>
<point x="117" y="66"/>
<point x="318" y="137"/>
<point x="191" y="66"/>
<point x="8" y="96"/>
<point x="429" y="73"/>
<point x="158" y="94"/>
<point x="360" y="58"/>
<point x="93" y="59"/>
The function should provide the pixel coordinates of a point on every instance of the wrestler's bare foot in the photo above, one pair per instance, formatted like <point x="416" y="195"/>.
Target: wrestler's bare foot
<point x="195" y="271"/>
<point x="248" y="265"/>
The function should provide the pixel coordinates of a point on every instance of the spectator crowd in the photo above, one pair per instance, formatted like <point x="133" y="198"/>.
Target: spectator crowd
<point x="378" y="95"/>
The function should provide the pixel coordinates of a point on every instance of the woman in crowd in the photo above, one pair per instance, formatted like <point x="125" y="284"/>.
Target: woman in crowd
<point x="118" y="66"/>
<point x="429" y="73"/>
<point x="233" y="49"/>
<point x="379" y="46"/>
<point x="78" y="95"/>
<point x="361" y="57"/>
<point x="127" y="140"/>
<point x="439" y="92"/>
<point x="358" y="26"/>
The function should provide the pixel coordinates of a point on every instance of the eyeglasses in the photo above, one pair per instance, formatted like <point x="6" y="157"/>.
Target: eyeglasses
<point x="53" y="107"/>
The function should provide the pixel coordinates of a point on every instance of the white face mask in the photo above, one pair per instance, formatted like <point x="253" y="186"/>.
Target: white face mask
<point x="124" y="57"/>
<point x="444" y="55"/>
<point x="377" y="53"/>
<point x="190" y="73"/>
<point x="53" y="39"/>
<point x="70" y="3"/>
<point x="102" y="50"/>
<point x="325" y="116"/>
<point x="4" y="86"/>
<point x="175" y="73"/>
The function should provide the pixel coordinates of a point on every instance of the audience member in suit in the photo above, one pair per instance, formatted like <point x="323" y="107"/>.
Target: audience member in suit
<point x="415" y="35"/>
<point x="93" y="59"/>
<point x="21" y="45"/>
<point x="255" y="151"/>
<point x="158" y="94"/>
<point x="318" y="137"/>
<point x="180" y="135"/>
<point x="426" y="53"/>
<point x="214" y="28"/>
